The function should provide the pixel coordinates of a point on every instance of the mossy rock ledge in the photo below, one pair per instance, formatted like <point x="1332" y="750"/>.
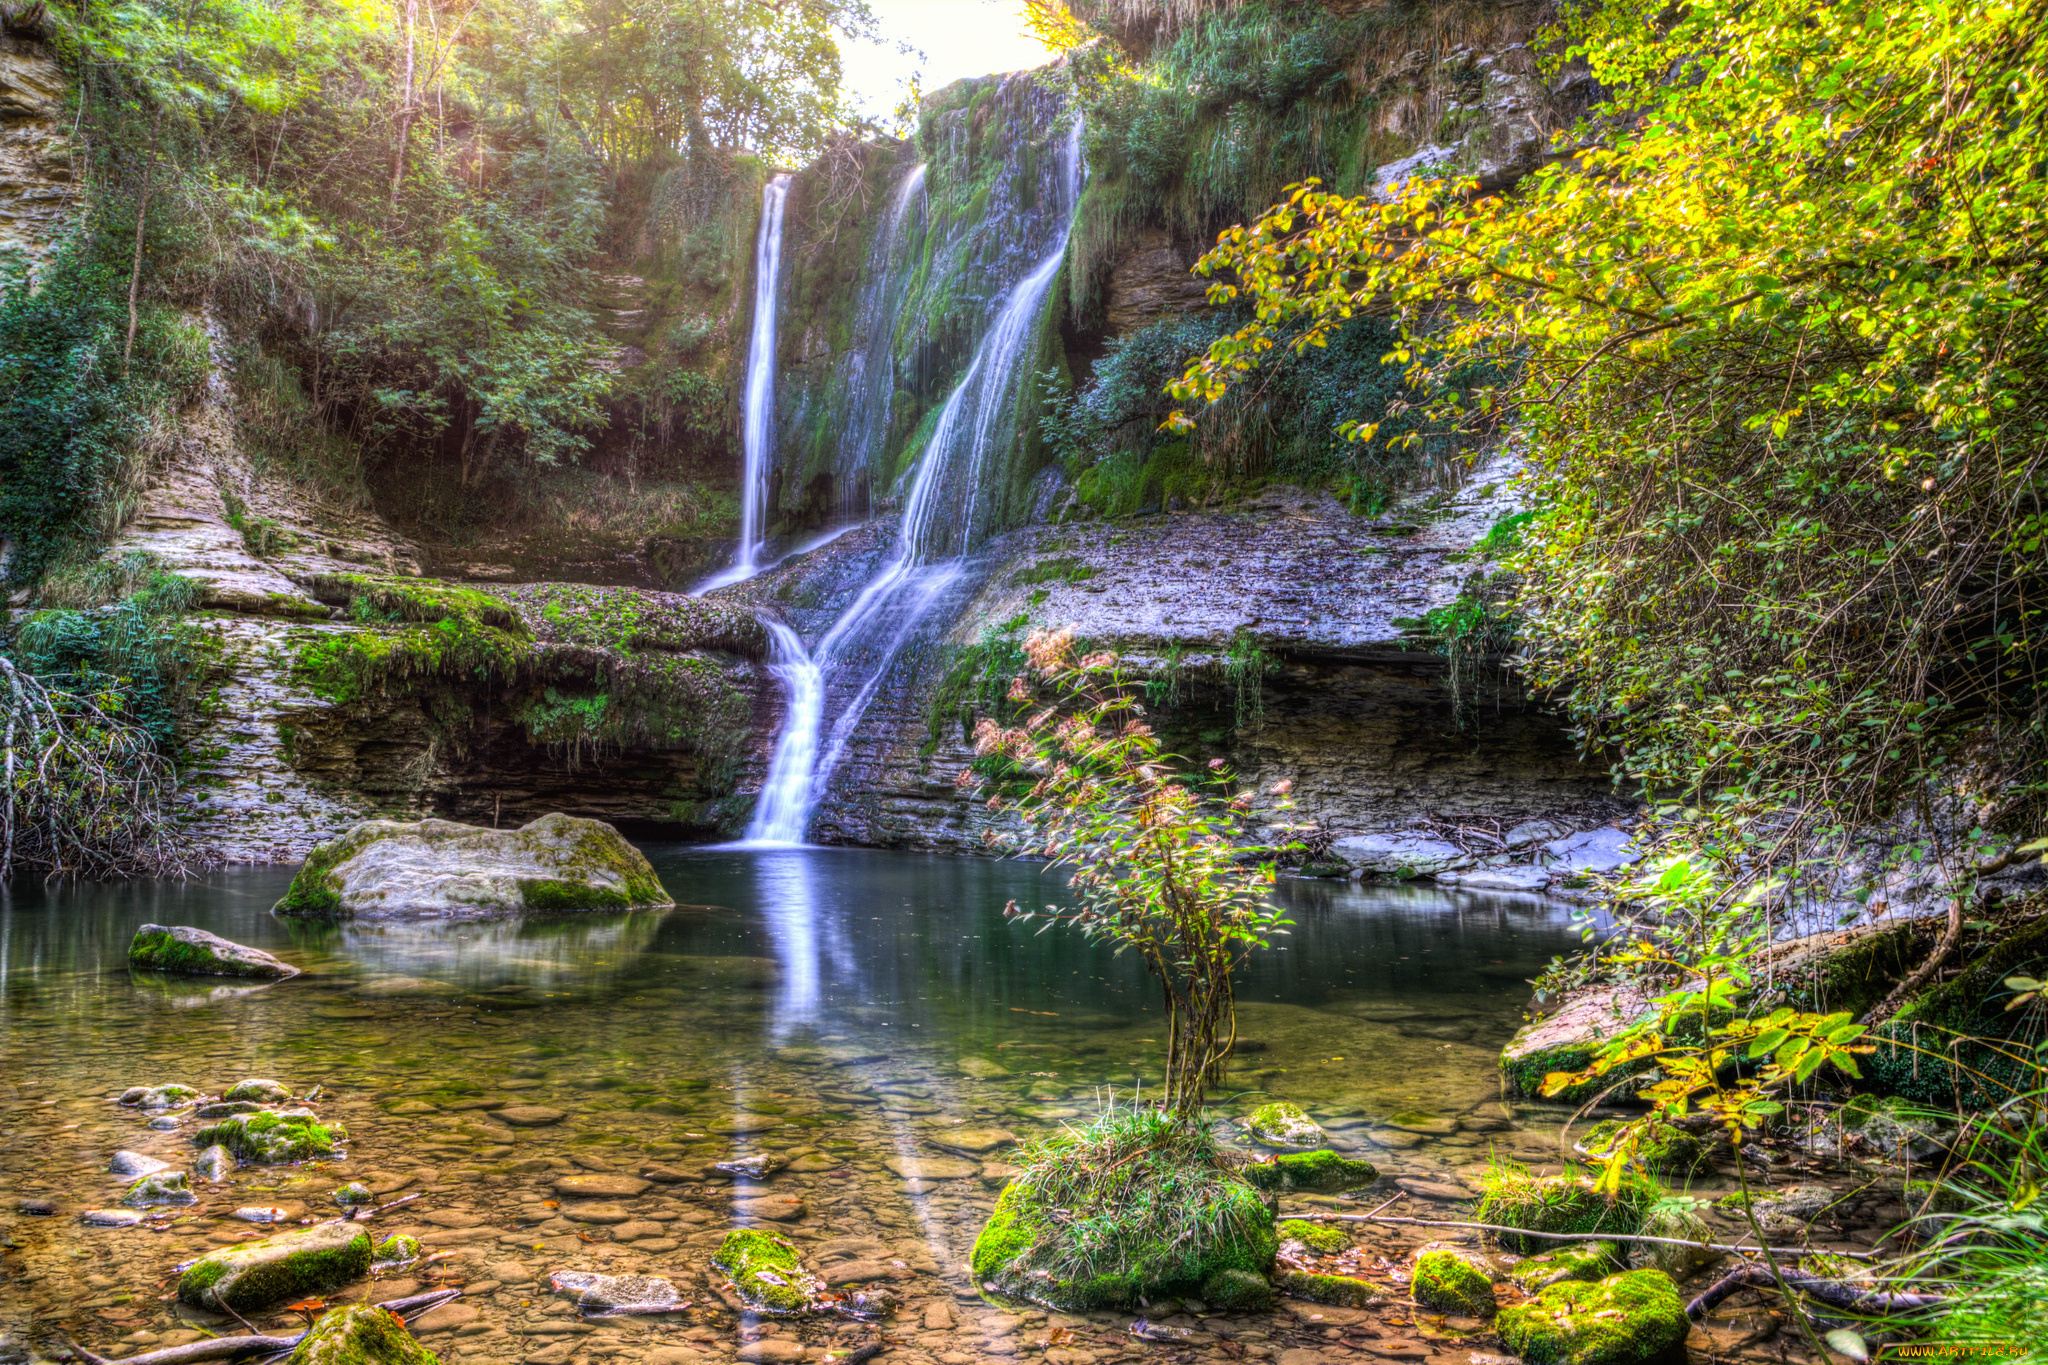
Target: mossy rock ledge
<point x="439" y="869"/>
<point x="255" y="1275"/>
<point x="1569" y="1040"/>
<point x="183" y="950"/>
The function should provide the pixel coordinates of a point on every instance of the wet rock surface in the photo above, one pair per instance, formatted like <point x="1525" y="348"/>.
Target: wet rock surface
<point x="183" y="950"/>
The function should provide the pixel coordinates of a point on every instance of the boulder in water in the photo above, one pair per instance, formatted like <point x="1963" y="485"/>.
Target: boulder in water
<point x="1281" y="1124"/>
<point x="1622" y="1320"/>
<point x="135" y="1163"/>
<point x="272" y="1137"/>
<point x="438" y="868"/>
<point x="599" y="1294"/>
<point x="255" y="1275"/>
<point x="214" y="1164"/>
<point x="165" y="1187"/>
<point x="767" y="1272"/>
<point x="182" y="949"/>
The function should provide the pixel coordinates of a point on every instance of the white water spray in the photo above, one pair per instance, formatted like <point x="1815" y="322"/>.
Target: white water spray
<point x="757" y="404"/>
<point x="941" y="517"/>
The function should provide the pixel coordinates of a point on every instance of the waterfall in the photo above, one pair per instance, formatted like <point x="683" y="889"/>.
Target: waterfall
<point x="943" y="515"/>
<point x="757" y="404"/>
<point x="871" y="367"/>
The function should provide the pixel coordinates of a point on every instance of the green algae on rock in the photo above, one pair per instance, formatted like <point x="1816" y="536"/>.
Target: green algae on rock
<point x="395" y="1251"/>
<point x="160" y="1187"/>
<point x="1341" y="1291"/>
<point x="1281" y="1124"/>
<point x="1452" y="1283"/>
<point x="1634" y="1318"/>
<point x="273" y="1137"/>
<point x="183" y="950"/>
<point x="167" y="1096"/>
<point x="360" y="1334"/>
<point x="255" y="1275"/>
<point x="1323" y="1171"/>
<point x="767" y="1272"/>
<point x="447" y="870"/>
<point x="259" y="1090"/>
<point x="1586" y="1261"/>
<point x="1316" y="1237"/>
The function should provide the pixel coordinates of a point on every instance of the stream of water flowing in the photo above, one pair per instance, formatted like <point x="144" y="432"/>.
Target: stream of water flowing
<point x="944" y="512"/>
<point x="871" y="1018"/>
<point x="757" y="414"/>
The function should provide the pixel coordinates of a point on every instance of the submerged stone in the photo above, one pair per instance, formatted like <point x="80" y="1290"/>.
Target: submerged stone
<point x="1323" y="1171"/>
<point x="617" y="1293"/>
<point x="260" y="1091"/>
<point x="1281" y="1124"/>
<point x="110" y="1218"/>
<point x="438" y="868"/>
<point x="360" y="1334"/>
<point x="1628" y="1319"/>
<point x="1451" y="1283"/>
<point x="766" y="1271"/>
<point x="167" y="1096"/>
<point x="182" y="949"/>
<point x="395" y="1251"/>
<point x="258" y="1274"/>
<point x="270" y="1138"/>
<point x="353" y="1193"/>
<point x="165" y="1187"/>
<point x="135" y="1163"/>
<point x="213" y="1164"/>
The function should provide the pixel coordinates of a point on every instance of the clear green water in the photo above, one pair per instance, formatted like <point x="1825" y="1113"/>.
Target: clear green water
<point x="850" y="1010"/>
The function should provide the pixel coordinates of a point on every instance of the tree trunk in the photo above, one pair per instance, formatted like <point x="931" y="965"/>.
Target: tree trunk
<point x="405" y="107"/>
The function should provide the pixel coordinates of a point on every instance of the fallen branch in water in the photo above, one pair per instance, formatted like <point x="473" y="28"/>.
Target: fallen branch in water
<point x="357" y="1215"/>
<point x="1834" y="1293"/>
<point x="1580" y="1236"/>
<point x="226" y="1348"/>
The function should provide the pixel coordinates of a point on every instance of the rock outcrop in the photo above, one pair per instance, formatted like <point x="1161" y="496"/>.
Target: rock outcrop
<point x="195" y="952"/>
<point x="435" y="868"/>
<point x="38" y="190"/>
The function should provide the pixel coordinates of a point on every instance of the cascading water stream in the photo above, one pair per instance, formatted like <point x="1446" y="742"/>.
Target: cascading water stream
<point x="757" y="415"/>
<point x="941" y="519"/>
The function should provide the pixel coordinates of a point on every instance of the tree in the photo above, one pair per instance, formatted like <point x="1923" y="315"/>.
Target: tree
<point x="1771" y="326"/>
<point x="1155" y="853"/>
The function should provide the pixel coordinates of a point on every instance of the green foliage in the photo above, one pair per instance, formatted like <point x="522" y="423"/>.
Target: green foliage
<point x="1471" y="634"/>
<point x="1512" y="1197"/>
<point x="1809" y="589"/>
<point x="138" y="648"/>
<point x="1245" y="667"/>
<point x="1154" y="852"/>
<point x="978" y="681"/>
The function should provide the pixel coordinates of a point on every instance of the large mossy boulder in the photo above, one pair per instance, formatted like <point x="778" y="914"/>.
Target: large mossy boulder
<point x="255" y="1275"/>
<point x="1913" y="1049"/>
<point x="439" y="869"/>
<point x="183" y="950"/>
<point x="360" y="1334"/>
<point x="1139" y="1205"/>
<point x="1569" y="1039"/>
<point x="1636" y="1318"/>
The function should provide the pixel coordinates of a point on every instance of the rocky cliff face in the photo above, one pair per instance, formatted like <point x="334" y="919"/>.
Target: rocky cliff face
<point x="37" y="188"/>
<point x="1316" y="605"/>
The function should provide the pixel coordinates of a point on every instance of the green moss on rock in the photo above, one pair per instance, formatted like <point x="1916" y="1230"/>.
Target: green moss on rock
<point x="274" y="1137"/>
<point x="1317" y="1237"/>
<point x="183" y="950"/>
<point x="1323" y="1171"/>
<point x="1281" y="1124"/>
<point x="1343" y="1291"/>
<point x="767" y="1272"/>
<point x="360" y="1334"/>
<point x="396" y="1250"/>
<point x="1237" y="1291"/>
<point x="1451" y="1283"/>
<point x="1911" y="1050"/>
<point x="1663" y="1147"/>
<point x="255" y="1275"/>
<point x="1636" y="1318"/>
<point x="1586" y="1261"/>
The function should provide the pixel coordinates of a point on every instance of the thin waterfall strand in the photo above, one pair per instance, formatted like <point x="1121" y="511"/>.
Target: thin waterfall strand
<point x="910" y="584"/>
<point x="757" y="414"/>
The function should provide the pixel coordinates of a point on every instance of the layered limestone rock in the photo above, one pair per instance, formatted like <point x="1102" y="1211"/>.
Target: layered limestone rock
<point x="38" y="191"/>
<point x="435" y="868"/>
